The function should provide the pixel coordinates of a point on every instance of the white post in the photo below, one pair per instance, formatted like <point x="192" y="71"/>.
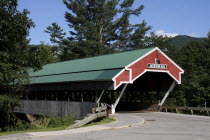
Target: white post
<point x="112" y="109"/>
<point x="118" y="99"/>
<point x="100" y="97"/>
<point x="167" y="93"/>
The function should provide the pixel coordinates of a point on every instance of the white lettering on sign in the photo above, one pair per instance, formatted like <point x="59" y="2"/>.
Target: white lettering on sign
<point x="157" y="66"/>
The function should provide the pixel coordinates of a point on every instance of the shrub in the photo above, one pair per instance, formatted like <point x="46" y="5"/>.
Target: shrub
<point x="41" y="121"/>
<point x="7" y="106"/>
<point x="61" y="121"/>
<point x="20" y="125"/>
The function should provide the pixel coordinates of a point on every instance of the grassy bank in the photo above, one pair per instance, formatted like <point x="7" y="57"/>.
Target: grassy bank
<point x="99" y="121"/>
<point x="39" y="123"/>
<point x="55" y="127"/>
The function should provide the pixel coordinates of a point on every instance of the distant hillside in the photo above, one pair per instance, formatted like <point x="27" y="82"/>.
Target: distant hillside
<point x="180" y="40"/>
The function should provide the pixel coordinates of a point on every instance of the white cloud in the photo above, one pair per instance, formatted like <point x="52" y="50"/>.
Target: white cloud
<point x="163" y="33"/>
<point x="193" y="35"/>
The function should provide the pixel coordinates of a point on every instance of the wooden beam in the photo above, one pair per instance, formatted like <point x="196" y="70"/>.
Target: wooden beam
<point x="100" y="96"/>
<point x="167" y="93"/>
<point x="118" y="99"/>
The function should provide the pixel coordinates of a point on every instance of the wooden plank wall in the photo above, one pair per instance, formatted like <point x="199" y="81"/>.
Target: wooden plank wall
<point x="55" y="108"/>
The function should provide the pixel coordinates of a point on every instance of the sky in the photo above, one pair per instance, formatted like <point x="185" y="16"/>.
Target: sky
<point x="167" y="17"/>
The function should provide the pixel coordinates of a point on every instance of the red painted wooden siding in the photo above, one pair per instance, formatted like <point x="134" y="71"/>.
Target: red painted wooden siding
<point x="123" y="77"/>
<point x="140" y="67"/>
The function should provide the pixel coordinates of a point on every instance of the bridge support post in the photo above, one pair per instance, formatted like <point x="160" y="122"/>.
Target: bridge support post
<point x="100" y="96"/>
<point x="167" y="93"/>
<point x="118" y="99"/>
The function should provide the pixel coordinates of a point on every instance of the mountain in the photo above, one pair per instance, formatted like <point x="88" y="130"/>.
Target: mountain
<point x="180" y="40"/>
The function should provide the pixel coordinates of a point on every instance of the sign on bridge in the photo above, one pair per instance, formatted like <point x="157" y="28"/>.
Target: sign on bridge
<point x="157" y="66"/>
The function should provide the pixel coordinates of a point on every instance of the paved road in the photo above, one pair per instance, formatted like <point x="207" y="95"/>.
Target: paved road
<point x="158" y="126"/>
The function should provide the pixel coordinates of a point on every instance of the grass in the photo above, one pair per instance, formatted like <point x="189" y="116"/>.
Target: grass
<point x="40" y="123"/>
<point x="34" y="130"/>
<point x="98" y="121"/>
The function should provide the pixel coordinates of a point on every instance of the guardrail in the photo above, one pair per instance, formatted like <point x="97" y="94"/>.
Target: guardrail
<point x="191" y="109"/>
<point x="103" y="107"/>
<point x="97" y="112"/>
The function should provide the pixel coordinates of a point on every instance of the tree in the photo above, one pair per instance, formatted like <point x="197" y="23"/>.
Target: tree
<point x="42" y="54"/>
<point x="102" y="26"/>
<point x="56" y="33"/>
<point x="194" y="58"/>
<point x="207" y="40"/>
<point x="7" y="106"/>
<point x="14" y="28"/>
<point x="16" y="57"/>
<point x="162" y="42"/>
<point x="157" y="41"/>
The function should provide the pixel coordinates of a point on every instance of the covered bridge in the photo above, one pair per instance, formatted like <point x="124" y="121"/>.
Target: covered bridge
<point x="141" y="74"/>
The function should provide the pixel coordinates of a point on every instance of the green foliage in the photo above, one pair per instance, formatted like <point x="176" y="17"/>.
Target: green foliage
<point x="180" y="40"/>
<point x="194" y="58"/>
<point x="66" y="120"/>
<point x="102" y="26"/>
<point x="20" y="125"/>
<point x="7" y="106"/>
<point x="14" y="28"/>
<point x="156" y="41"/>
<point x="56" y="33"/>
<point x="42" y="54"/>
<point x="17" y="58"/>
<point x="162" y="42"/>
<point x="99" y="121"/>
<point x="40" y="122"/>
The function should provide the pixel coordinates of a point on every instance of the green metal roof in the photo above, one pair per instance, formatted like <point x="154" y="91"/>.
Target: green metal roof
<point x="83" y="76"/>
<point x="93" y="68"/>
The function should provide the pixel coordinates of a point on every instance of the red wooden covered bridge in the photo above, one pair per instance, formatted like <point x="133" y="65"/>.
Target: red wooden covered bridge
<point x="146" y="76"/>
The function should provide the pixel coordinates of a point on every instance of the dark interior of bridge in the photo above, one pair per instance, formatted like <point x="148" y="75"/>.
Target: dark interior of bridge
<point x="146" y="92"/>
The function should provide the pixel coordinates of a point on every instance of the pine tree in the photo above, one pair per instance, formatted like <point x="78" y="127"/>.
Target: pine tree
<point x="102" y="26"/>
<point x="56" y="33"/>
<point x="162" y="42"/>
<point x="194" y="58"/>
